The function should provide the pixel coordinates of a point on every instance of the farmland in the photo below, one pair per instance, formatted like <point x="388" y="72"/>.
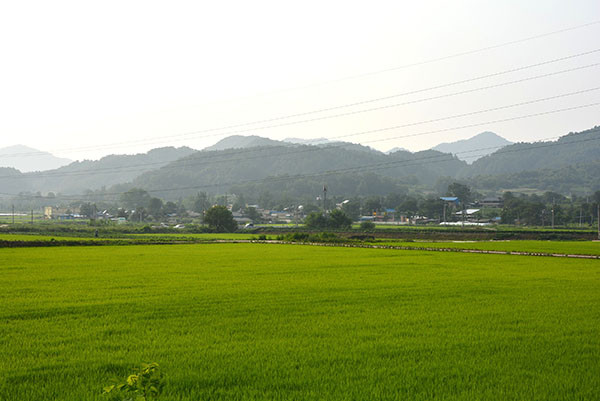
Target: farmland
<point x="546" y="247"/>
<point x="280" y="322"/>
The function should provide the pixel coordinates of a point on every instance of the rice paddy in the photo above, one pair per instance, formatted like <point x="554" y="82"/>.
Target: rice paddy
<point x="281" y="322"/>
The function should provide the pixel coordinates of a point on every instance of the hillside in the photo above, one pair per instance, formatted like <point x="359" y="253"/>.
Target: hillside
<point x="474" y="148"/>
<point x="572" y="149"/>
<point x="242" y="142"/>
<point x="315" y="141"/>
<point x="218" y="171"/>
<point x="26" y="159"/>
<point x="573" y="179"/>
<point x="91" y="174"/>
<point x="568" y="165"/>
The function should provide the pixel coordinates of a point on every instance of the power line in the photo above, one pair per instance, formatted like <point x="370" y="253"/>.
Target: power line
<point x="364" y="168"/>
<point x="433" y="60"/>
<point x="195" y="134"/>
<point x="181" y="163"/>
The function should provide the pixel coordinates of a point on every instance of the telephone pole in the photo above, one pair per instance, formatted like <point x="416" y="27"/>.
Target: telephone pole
<point x="13" y="214"/>
<point x="598" y="206"/>
<point x="32" y="216"/>
<point x="325" y="199"/>
<point x="444" y="218"/>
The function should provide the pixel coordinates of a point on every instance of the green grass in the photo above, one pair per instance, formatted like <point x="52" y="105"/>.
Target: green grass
<point x="203" y="236"/>
<point x="89" y="236"/>
<point x="282" y="322"/>
<point x="38" y="237"/>
<point x="561" y="247"/>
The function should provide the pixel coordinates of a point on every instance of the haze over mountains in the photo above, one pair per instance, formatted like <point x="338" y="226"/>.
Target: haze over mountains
<point x="474" y="148"/>
<point x="26" y="159"/>
<point x="255" y="165"/>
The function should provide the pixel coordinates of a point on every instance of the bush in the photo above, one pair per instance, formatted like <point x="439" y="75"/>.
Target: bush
<point x="367" y="226"/>
<point x="144" y="385"/>
<point x="305" y="237"/>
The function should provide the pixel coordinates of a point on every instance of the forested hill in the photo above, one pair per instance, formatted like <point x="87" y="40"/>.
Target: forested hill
<point x="565" y="165"/>
<point x="243" y="142"/>
<point x="90" y="174"/>
<point x="218" y="171"/>
<point x="572" y="149"/>
<point x="573" y="179"/>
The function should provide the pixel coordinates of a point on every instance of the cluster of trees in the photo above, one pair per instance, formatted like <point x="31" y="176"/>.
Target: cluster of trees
<point x="549" y="209"/>
<point x="140" y="202"/>
<point x="336" y="220"/>
<point x="408" y="205"/>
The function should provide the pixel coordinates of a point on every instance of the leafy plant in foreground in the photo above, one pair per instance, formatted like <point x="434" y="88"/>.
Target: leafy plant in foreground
<point x="144" y="385"/>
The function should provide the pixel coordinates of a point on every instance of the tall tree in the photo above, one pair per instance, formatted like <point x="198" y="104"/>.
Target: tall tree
<point x="220" y="219"/>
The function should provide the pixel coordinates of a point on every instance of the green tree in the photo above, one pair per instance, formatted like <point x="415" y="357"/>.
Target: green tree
<point x="170" y="208"/>
<point x="315" y="220"/>
<point x="201" y="203"/>
<point x="409" y="207"/>
<point x="352" y="209"/>
<point x="239" y="204"/>
<point x="252" y="214"/>
<point x="463" y="192"/>
<point x="220" y="219"/>
<point x="87" y="209"/>
<point x="135" y="198"/>
<point x="431" y="208"/>
<point x="155" y="207"/>
<point x="371" y="204"/>
<point x="338" y="219"/>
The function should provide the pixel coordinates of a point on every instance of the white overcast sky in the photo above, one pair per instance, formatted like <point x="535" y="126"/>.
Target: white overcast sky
<point x="83" y="79"/>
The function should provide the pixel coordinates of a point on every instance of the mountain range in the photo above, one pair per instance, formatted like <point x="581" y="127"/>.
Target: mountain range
<point x="255" y="165"/>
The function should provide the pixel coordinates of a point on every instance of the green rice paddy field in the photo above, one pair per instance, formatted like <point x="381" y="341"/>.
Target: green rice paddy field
<point x="285" y="322"/>
<point x="551" y="247"/>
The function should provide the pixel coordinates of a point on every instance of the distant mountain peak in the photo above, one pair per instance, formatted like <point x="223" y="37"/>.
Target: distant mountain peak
<point x="314" y="141"/>
<point x="475" y="147"/>
<point x="27" y="159"/>
<point x="241" y="142"/>
<point x="396" y="149"/>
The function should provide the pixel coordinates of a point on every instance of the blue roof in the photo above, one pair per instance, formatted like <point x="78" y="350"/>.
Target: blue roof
<point x="390" y="210"/>
<point x="449" y="198"/>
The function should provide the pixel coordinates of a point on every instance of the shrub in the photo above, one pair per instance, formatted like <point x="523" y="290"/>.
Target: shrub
<point x="367" y="226"/>
<point x="144" y="385"/>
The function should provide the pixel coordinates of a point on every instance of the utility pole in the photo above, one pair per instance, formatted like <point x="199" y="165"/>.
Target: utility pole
<point x="553" y="216"/>
<point x="325" y="199"/>
<point x="13" y="214"/>
<point x="444" y="219"/>
<point x="543" y="217"/>
<point x="31" y="216"/>
<point x="598" y="206"/>
<point x="580" y="215"/>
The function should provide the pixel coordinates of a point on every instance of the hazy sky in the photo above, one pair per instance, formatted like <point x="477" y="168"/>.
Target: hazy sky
<point x="85" y="79"/>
